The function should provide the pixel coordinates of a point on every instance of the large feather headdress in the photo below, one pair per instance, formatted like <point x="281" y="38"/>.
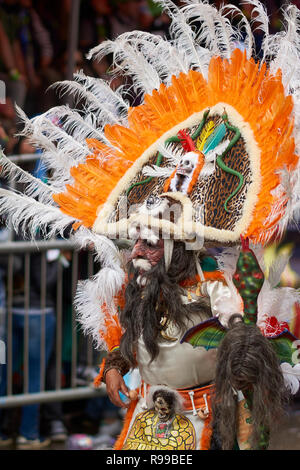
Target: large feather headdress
<point x="242" y="178"/>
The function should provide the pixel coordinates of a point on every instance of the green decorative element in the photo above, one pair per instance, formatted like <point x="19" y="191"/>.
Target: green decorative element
<point x="226" y="168"/>
<point x="158" y="163"/>
<point x="201" y="125"/>
<point x="209" y="264"/>
<point x="236" y="445"/>
<point x="215" y="138"/>
<point x="283" y="345"/>
<point x="249" y="420"/>
<point x="248" y="279"/>
<point x="207" y="334"/>
<point x="264" y="439"/>
<point x="169" y="140"/>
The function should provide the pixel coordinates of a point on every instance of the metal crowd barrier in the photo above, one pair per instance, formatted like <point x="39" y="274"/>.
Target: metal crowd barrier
<point x="81" y="348"/>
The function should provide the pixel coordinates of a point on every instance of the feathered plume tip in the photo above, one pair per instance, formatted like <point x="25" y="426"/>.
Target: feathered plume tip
<point x="94" y="300"/>
<point x="151" y="61"/>
<point x="186" y="141"/>
<point x="30" y="217"/>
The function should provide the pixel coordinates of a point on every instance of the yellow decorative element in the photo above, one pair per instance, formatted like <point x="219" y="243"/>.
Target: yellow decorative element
<point x="143" y="434"/>
<point x="202" y="413"/>
<point x="198" y="290"/>
<point x="189" y="295"/>
<point x="207" y="131"/>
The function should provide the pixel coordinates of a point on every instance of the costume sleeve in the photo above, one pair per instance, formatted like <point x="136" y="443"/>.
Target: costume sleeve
<point x="115" y="360"/>
<point x="224" y="299"/>
<point x="111" y="334"/>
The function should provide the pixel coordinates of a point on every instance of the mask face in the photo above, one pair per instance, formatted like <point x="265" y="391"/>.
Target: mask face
<point x="145" y="254"/>
<point x="162" y="408"/>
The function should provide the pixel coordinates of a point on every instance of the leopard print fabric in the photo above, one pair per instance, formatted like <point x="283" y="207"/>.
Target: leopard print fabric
<point x="210" y="192"/>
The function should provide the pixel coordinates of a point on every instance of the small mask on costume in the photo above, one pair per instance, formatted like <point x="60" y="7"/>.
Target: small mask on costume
<point x="186" y="173"/>
<point x="163" y="409"/>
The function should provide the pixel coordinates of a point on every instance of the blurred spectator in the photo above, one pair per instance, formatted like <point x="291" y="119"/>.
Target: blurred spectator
<point x="38" y="54"/>
<point x="128" y="15"/>
<point x="29" y="436"/>
<point x="94" y="28"/>
<point x="12" y="65"/>
<point x="4" y="139"/>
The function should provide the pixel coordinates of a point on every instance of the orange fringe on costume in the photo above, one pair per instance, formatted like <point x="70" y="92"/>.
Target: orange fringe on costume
<point x="98" y="379"/>
<point x="206" y="434"/>
<point x="111" y="333"/>
<point x="121" y="439"/>
<point x="209" y="276"/>
<point x="196" y="173"/>
<point x="258" y="97"/>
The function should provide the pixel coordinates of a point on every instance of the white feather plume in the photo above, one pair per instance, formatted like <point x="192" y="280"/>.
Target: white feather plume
<point x="258" y="15"/>
<point x="29" y="216"/>
<point x="100" y="289"/>
<point x="276" y="301"/>
<point x="34" y="186"/>
<point x="69" y="151"/>
<point x="151" y="60"/>
<point x="215" y="30"/>
<point x="60" y="150"/>
<point x="291" y="375"/>
<point x="102" y="110"/>
<point x="243" y="25"/>
<point x="112" y="99"/>
<point x="129" y="60"/>
<point x="157" y="171"/>
<point x="81" y="128"/>
<point x="227" y="260"/>
<point x="185" y="38"/>
<point x="171" y="153"/>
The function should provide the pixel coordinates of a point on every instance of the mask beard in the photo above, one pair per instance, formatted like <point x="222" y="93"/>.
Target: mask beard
<point x="144" y="306"/>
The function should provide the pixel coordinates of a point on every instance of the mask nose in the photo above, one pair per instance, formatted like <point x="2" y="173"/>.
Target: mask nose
<point x="138" y="250"/>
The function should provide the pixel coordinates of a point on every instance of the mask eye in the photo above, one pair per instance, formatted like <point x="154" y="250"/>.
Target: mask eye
<point x="152" y="202"/>
<point x="150" y="244"/>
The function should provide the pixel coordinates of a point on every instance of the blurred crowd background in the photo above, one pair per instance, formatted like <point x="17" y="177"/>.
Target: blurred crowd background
<point x="34" y="44"/>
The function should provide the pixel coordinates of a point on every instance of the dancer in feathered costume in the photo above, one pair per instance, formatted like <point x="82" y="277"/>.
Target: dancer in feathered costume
<point x="209" y="158"/>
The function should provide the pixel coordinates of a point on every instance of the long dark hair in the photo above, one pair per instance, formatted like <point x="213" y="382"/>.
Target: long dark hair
<point x="144" y="307"/>
<point x="246" y="361"/>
